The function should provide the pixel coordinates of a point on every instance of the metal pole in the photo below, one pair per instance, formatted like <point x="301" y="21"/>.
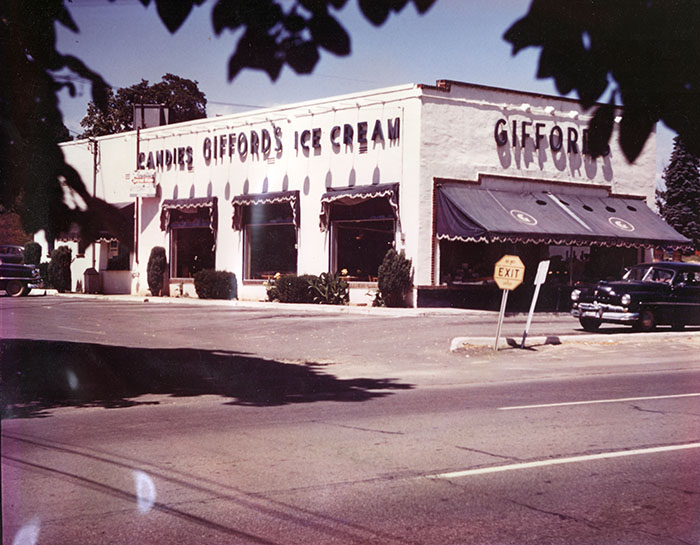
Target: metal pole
<point x="529" y="315"/>
<point x="95" y="151"/>
<point x="500" y="318"/>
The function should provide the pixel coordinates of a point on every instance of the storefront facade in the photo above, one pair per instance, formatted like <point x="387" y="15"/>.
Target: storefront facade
<point x="453" y="174"/>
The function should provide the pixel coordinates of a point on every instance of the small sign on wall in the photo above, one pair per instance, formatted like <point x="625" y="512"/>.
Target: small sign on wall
<point x="143" y="184"/>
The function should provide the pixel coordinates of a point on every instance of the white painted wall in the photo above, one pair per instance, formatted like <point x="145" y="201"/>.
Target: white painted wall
<point x="445" y="132"/>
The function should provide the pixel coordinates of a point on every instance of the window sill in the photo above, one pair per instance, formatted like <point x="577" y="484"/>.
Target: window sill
<point x="354" y="284"/>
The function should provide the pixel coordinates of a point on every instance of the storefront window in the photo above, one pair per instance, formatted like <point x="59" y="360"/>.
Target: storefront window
<point x="270" y="240"/>
<point x="361" y="246"/>
<point x="363" y="222"/>
<point x="192" y="242"/>
<point x="192" y="251"/>
<point x="270" y="249"/>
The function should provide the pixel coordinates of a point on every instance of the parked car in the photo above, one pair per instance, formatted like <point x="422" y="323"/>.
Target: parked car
<point x="11" y="253"/>
<point x="649" y="294"/>
<point x="16" y="278"/>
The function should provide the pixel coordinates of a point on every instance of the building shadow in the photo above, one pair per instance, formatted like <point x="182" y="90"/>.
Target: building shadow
<point x="40" y="375"/>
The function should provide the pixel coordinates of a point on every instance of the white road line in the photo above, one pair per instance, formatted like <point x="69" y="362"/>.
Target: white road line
<point x="559" y="461"/>
<point x="82" y="330"/>
<point x="594" y="401"/>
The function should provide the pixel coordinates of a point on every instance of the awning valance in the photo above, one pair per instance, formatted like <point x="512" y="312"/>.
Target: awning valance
<point x="179" y="208"/>
<point x="474" y="214"/>
<point x="354" y="195"/>
<point x="279" y="197"/>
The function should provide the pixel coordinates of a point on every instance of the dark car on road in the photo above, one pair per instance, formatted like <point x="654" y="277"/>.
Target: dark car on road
<point x="16" y="278"/>
<point x="649" y="294"/>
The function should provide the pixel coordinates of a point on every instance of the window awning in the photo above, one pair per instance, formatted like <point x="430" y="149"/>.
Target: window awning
<point x="354" y="195"/>
<point x="189" y="206"/>
<point x="472" y="214"/>
<point x="291" y="197"/>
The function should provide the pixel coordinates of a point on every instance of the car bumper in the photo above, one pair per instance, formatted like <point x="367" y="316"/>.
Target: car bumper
<point x="604" y="313"/>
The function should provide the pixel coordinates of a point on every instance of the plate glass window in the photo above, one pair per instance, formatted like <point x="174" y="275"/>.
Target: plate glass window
<point x="361" y="236"/>
<point x="192" y="242"/>
<point x="270" y="240"/>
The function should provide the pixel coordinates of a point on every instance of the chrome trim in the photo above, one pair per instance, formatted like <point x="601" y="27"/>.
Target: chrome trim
<point x="605" y="313"/>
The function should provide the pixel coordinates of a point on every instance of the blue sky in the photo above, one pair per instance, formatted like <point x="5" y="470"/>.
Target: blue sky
<point x="456" y="39"/>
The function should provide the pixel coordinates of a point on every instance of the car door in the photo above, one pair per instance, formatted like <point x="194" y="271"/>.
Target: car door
<point x="686" y="296"/>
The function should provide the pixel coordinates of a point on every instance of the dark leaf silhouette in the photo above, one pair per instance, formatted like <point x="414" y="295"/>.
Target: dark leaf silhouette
<point x="601" y="127"/>
<point x="303" y="57"/>
<point x="649" y="50"/>
<point x="329" y="34"/>
<point x="376" y="11"/>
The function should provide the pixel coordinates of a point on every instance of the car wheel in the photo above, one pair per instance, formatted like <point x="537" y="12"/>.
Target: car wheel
<point x="646" y="322"/>
<point x="15" y="288"/>
<point x="590" y="324"/>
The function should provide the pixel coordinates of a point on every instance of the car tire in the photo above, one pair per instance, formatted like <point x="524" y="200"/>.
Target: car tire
<point x="15" y="288"/>
<point x="647" y="321"/>
<point x="590" y="324"/>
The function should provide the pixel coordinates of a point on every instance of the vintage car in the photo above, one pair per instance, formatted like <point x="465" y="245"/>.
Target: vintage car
<point x="16" y="278"/>
<point x="649" y="294"/>
<point x="11" y="253"/>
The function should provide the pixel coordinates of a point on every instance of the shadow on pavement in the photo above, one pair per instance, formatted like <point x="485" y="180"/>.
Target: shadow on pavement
<point x="40" y="375"/>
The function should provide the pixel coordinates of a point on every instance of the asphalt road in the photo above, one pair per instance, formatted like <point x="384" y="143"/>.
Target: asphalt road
<point x="144" y="423"/>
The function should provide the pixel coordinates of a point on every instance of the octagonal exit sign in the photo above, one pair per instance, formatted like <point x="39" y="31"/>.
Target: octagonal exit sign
<point x="509" y="272"/>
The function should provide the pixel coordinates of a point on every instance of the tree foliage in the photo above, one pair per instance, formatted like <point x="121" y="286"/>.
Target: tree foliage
<point x="182" y="96"/>
<point x="679" y="203"/>
<point x="35" y="180"/>
<point x="645" y="53"/>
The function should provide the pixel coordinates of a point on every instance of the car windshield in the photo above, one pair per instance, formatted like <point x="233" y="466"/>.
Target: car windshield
<point x="649" y="274"/>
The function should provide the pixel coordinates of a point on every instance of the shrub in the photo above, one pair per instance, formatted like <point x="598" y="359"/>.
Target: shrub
<point x="157" y="265"/>
<point x="32" y="253"/>
<point x="44" y="271"/>
<point x="59" y="269"/>
<point x="395" y="279"/>
<point x="295" y="289"/>
<point x="330" y="289"/>
<point x="211" y="284"/>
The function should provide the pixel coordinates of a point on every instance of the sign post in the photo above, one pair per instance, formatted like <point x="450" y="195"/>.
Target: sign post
<point x="508" y="274"/>
<point x="542" y="270"/>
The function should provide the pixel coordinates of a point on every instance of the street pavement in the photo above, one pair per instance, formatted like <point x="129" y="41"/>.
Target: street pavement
<point x="127" y="421"/>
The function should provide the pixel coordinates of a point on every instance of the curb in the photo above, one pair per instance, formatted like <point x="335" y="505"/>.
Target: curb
<point x="464" y="343"/>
